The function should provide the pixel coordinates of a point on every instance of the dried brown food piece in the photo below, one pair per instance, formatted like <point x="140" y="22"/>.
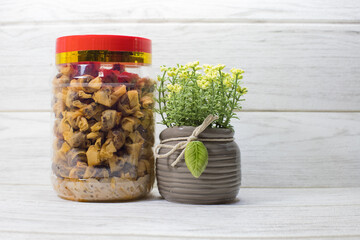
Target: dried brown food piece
<point x="134" y="104"/>
<point x="94" y="85"/>
<point x="125" y="109"/>
<point x="67" y="70"/>
<point x="129" y="104"/>
<point x="58" y="142"/>
<point x="135" y="137"/>
<point x="61" y="81"/>
<point x="133" y="96"/>
<point x="56" y="127"/>
<point x="59" y="157"/>
<point x="96" y="127"/>
<point x="134" y="152"/>
<point x="58" y="108"/>
<point x="103" y="96"/>
<point x="61" y="95"/>
<point x="80" y="83"/>
<point x="107" y="150"/>
<point x="108" y="96"/>
<point x="82" y="124"/>
<point x="64" y="92"/>
<point x="102" y="173"/>
<point x="84" y="95"/>
<point x="129" y="171"/>
<point x="72" y="118"/>
<point x="133" y="147"/>
<point x="61" y="169"/>
<point x="84" y="83"/>
<point x="150" y="138"/>
<point x="97" y="117"/>
<point x="79" y="104"/>
<point x="143" y="168"/>
<point x="116" y="164"/>
<point x="93" y="153"/>
<point x="95" y="135"/>
<point x="65" y="147"/>
<point x="109" y="119"/>
<point x="92" y="109"/>
<point x="74" y="156"/>
<point x="77" y="139"/>
<point x="130" y="123"/>
<point x="117" y="94"/>
<point x="78" y="171"/>
<point x="148" y="118"/>
<point x="89" y="172"/>
<point x="64" y="127"/>
<point x="146" y="83"/>
<point x="147" y="153"/>
<point x="75" y="85"/>
<point x="71" y="96"/>
<point x="85" y="79"/>
<point x="59" y="102"/>
<point x="138" y="114"/>
<point x="123" y="104"/>
<point x="118" y="137"/>
<point x="147" y="101"/>
<point x="140" y="84"/>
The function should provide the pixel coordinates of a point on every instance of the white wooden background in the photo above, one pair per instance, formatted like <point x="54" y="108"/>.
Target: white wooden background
<point x="299" y="132"/>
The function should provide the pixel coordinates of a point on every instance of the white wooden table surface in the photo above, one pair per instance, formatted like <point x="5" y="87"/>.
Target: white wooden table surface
<point x="299" y="132"/>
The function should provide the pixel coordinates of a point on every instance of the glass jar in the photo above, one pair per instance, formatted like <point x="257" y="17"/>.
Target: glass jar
<point x="104" y="122"/>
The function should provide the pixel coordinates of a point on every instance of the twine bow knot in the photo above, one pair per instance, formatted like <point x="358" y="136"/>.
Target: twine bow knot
<point x="182" y="144"/>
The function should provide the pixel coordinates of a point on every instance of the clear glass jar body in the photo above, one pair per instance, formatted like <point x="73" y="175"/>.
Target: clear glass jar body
<point x="104" y="131"/>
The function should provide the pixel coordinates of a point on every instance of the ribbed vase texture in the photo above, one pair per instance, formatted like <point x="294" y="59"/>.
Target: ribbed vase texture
<point x="219" y="183"/>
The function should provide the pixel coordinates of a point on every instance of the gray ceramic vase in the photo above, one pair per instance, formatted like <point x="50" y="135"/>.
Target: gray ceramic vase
<point x="219" y="183"/>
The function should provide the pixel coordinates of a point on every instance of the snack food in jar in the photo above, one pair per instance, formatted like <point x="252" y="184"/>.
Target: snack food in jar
<point x="103" y="118"/>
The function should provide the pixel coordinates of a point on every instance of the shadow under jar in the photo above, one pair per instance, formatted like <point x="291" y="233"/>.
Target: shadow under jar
<point x="219" y="183"/>
<point x="104" y="122"/>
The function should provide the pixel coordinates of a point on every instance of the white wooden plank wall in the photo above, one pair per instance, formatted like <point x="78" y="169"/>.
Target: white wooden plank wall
<point x="279" y="149"/>
<point x="299" y="132"/>
<point x="299" y="56"/>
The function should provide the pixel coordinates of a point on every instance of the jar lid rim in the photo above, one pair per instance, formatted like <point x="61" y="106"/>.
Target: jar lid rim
<point x="119" y="43"/>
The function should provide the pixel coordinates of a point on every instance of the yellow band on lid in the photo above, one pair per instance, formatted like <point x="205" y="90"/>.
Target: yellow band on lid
<point x="142" y="58"/>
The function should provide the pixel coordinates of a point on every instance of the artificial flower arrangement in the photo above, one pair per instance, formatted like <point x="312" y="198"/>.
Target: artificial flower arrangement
<point x="186" y="96"/>
<point x="197" y="104"/>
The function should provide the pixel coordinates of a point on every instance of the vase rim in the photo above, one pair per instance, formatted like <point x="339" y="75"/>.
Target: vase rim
<point x="186" y="131"/>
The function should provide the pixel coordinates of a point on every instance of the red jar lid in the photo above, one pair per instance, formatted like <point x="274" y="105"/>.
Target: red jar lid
<point x="103" y="48"/>
<point x="103" y="42"/>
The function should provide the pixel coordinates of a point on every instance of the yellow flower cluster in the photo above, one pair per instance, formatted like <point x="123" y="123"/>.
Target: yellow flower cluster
<point x="183" y="73"/>
<point x="212" y="74"/>
<point x="193" y="65"/>
<point x="203" y="83"/>
<point x="228" y="81"/>
<point x="241" y="90"/>
<point x="176" y="88"/>
<point x="236" y="71"/>
<point x="187" y="95"/>
<point x="164" y="68"/>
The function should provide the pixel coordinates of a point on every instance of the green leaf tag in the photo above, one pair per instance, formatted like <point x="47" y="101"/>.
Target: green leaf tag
<point x="196" y="157"/>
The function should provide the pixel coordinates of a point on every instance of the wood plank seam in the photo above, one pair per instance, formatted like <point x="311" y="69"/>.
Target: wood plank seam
<point x="187" y="21"/>
<point x="184" y="236"/>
